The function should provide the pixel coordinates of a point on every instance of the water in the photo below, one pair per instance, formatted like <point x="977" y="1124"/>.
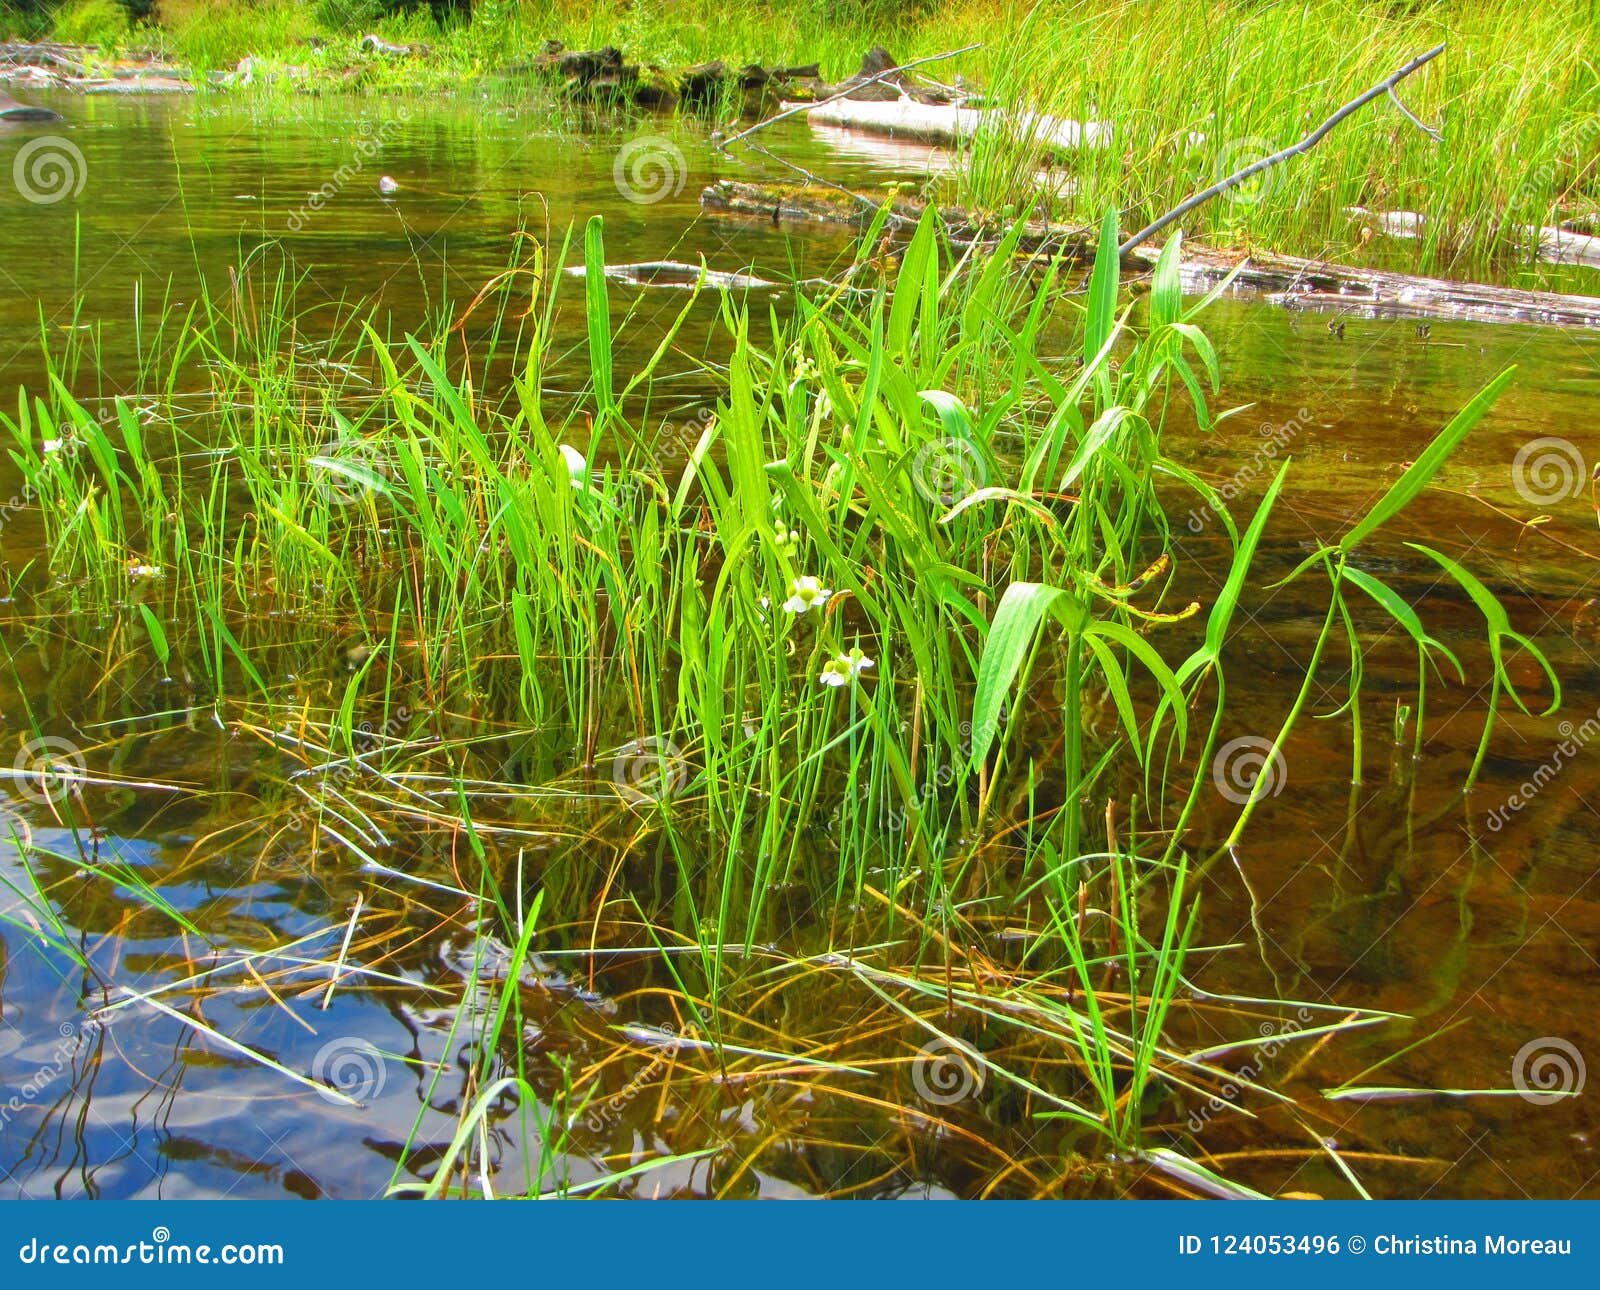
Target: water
<point x="1375" y="896"/>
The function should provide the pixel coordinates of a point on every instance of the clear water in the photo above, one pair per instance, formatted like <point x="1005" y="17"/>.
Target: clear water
<point x="1376" y="895"/>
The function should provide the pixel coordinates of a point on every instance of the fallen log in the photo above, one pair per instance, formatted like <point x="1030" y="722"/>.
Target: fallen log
<point x="957" y="126"/>
<point x="372" y="43"/>
<point x="1550" y="243"/>
<point x="1288" y="281"/>
<point x="881" y="78"/>
<point x="853" y="89"/>
<point x="674" y="275"/>
<point x="11" y="110"/>
<point x="71" y="58"/>
<point x="140" y="84"/>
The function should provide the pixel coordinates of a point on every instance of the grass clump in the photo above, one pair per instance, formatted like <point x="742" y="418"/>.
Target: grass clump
<point x="846" y="664"/>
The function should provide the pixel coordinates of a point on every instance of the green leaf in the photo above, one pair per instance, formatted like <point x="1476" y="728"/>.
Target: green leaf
<point x="915" y="266"/>
<point x="1094" y="440"/>
<point x="1401" y="612"/>
<point x="1016" y="621"/>
<point x="1166" y="287"/>
<point x="158" y="635"/>
<point x="1228" y="598"/>
<point x="1103" y="284"/>
<point x="1500" y="629"/>
<point x="1420" y="473"/>
<point x="597" y="310"/>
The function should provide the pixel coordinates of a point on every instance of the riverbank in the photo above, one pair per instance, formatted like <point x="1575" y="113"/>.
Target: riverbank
<point x="1497" y="138"/>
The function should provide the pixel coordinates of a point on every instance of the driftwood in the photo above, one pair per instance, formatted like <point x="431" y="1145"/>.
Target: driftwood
<point x="675" y="275"/>
<point x="1289" y="281"/>
<point x="955" y="125"/>
<point x="1551" y="243"/>
<point x="49" y="65"/>
<point x="372" y="43"/>
<point x="70" y="58"/>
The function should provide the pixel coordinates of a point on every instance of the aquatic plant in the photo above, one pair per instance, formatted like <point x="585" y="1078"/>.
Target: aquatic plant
<point x="814" y="666"/>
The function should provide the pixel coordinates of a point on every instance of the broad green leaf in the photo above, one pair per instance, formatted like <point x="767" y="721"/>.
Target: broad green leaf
<point x="1401" y="612"/>
<point x="1016" y="621"/>
<point x="1500" y="629"/>
<point x="158" y="635"/>
<point x="1166" y="286"/>
<point x="597" y="309"/>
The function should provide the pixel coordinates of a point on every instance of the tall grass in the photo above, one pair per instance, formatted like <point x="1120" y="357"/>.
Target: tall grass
<point x="1191" y="90"/>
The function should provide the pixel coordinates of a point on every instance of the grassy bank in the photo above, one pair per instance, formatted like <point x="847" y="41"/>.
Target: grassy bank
<point x="859" y="676"/>
<point x="1192" y="88"/>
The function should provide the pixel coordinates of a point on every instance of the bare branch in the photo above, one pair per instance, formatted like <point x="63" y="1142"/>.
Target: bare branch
<point x="1435" y="134"/>
<point x="1294" y="150"/>
<point x="843" y="94"/>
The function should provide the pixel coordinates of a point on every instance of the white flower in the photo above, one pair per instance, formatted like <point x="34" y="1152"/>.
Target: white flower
<point x="805" y="594"/>
<point x="577" y="467"/>
<point x="843" y="669"/>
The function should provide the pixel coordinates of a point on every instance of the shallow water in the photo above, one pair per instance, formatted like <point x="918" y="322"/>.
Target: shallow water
<point x="1374" y="896"/>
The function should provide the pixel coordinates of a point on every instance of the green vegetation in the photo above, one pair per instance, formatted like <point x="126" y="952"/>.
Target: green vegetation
<point x="813" y="673"/>
<point x="1517" y="96"/>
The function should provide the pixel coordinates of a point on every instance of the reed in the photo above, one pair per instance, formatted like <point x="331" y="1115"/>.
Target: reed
<point x="1516" y="96"/>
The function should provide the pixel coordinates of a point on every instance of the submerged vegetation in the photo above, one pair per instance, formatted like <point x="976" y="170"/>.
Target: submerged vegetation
<point x="1502" y="138"/>
<point x="855" y="664"/>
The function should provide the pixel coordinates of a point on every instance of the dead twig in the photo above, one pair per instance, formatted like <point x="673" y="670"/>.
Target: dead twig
<point x="1433" y="132"/>
<point x="844" y="93"/>
<point x="1294" y="150"/>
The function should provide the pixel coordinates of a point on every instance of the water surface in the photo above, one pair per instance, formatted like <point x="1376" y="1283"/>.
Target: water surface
<point x="1476" y="921"/>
